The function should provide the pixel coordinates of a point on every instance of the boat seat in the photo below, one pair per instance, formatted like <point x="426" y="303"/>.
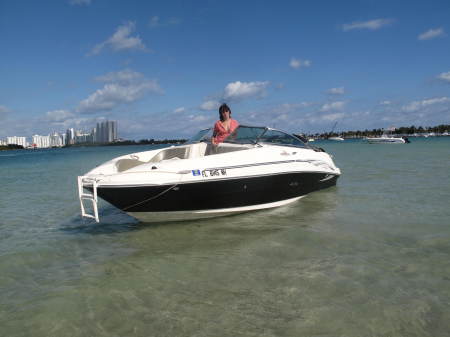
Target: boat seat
<point x="181" y="153"/>
<point x="126" y="164"/>
<point x="222" y="148"/>
<point x="197" y="150"/>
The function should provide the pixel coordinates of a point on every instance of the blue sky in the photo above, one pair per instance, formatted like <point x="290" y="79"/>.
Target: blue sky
<point x="160" y="68"/>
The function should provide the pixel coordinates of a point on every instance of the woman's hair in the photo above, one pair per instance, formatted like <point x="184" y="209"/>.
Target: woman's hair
<point x="222" y="109"/>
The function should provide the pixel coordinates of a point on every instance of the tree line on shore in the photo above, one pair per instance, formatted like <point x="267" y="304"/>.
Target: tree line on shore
<point x="11" y="147"/>
<point x="404" y="130"/>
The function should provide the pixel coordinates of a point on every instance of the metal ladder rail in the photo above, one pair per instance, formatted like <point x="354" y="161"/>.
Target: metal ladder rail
<point x="82" y="180"/>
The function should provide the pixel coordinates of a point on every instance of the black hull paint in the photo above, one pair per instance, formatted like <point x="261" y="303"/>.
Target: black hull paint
<point x="215" y="194"/>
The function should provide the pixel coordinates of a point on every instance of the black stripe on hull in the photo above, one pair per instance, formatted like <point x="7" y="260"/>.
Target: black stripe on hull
<point x="215" y="194"/>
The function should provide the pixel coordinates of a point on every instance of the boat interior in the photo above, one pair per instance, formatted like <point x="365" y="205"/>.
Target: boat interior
<point x="190" y="151"/>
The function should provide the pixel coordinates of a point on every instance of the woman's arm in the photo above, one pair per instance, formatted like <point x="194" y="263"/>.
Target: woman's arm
<point x="215" y="133"/>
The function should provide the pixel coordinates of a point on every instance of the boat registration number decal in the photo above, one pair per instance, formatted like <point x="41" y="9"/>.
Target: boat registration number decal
<point x="214" y="173"/>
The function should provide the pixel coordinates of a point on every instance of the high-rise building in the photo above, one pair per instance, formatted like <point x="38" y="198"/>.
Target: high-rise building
<point x="56" y="140"/>
<point x="17" y="141"/>
<point x="106" y="132"/>
<point x="83" y="137"/>
<point x="70" y="136"/>
<point x="40" y="141"/>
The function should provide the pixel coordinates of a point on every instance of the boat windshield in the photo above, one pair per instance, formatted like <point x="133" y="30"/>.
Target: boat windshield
<point x="281" y="138"/>
<point x="245" y="135"/>
<point x="253" y="135"/>
<point x="201" y="136"/>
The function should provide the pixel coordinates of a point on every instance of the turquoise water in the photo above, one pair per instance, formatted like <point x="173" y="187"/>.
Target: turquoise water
<point x="370" y="257"/>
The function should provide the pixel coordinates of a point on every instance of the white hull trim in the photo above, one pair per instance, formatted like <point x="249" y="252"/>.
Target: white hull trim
<point x="204" y="214"/>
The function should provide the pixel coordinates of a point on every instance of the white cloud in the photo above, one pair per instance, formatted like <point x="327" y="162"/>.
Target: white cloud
<point x="431" y="34"/>
<point x="298" y="63"/>
<point x="80" y="2"/>
<point x="297" y="117"/>
<point x="3" y="109"/>
<point x="291" y="107"/>
<point x="58" y="115"/>
<point x="115" y="94"/>
<point x="121" y="40"/>
<point x="155" y="21"/>
<point x="385" y="102"/>
<point x="419" y="105"/>
<point x="444" y="76"/>
<point x="174" y="21"/>
<point x="124" y="87"/>
<point x="198" y="118"/>
<point x="165" y="125"/>
<point x="338" y="105"/>
<point x="123" y="76"/>
<point x="180" y="109"/>
<point x="336" y="91"/>
<point x="370" y="25"/>
<point x="238" y="90"/>
<point x="209" y="105"/>
<point x="333" y="117"/>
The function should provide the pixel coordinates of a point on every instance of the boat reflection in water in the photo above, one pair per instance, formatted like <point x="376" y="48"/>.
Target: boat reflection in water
<point x="254" y="168"/>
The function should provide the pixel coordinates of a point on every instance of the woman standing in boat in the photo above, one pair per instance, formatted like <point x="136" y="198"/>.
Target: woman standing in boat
<point x="225" y="126"/>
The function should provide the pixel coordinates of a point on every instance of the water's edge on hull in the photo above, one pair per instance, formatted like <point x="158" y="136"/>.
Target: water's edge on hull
<point x="204" y="214"/>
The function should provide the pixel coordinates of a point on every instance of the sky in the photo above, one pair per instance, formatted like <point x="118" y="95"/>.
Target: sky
<point x="162" y="68"/>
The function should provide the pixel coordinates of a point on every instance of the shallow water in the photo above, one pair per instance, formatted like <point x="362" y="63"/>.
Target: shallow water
<point x="369" y="257"/>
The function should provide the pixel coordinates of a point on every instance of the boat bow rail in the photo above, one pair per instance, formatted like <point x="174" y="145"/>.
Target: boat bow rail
<point x="83" y="182"/>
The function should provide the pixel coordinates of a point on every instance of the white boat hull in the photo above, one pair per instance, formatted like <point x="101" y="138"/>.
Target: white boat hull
<point x="385" y="140"/>
<point x="199" y="180"/>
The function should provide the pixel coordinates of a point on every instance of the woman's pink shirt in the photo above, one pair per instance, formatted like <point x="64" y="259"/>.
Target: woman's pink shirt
<point x="220" y="133"/>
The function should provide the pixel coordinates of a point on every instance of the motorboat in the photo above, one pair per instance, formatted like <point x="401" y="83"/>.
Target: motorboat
<point x="385" y="139"/>
<point x="254" y="168"/>
<point x="334" y="138"/>
<point x="339" y="139"/>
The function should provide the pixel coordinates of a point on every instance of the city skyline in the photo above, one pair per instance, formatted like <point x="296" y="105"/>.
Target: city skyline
<point x="104" y="132"/>
<point x="161" y="68"/>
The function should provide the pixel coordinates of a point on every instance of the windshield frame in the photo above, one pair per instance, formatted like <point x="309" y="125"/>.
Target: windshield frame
<point x="259" y="138"/>
<point x="254" y="142"/>
<point x="303" y="144"/>
<point x="203" y="136"/>
<point x="200" y="137"/>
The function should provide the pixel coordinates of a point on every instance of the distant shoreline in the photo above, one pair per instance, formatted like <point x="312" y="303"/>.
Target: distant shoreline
<point x="121" y="143"/>
<point x="132" y="142"/>
<point x="412" y="131"/>
<point x="11" y="147"/>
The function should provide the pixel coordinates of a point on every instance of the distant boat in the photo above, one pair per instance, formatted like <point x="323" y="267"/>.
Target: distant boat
<point x="385" y="139"/>
<point x="337" y="138"/>
<point x="311" y="140"/>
